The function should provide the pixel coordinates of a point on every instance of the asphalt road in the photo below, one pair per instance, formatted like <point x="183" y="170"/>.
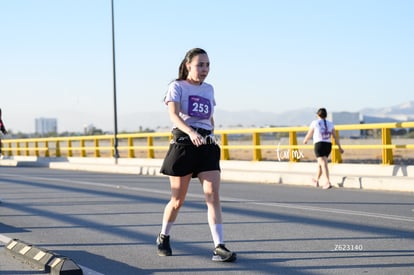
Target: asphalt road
<point x="107" y="223"/>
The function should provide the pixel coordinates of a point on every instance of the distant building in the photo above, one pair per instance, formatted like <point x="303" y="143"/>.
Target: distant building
<point x="45" y="125"/>
<point x="341" y="118"/>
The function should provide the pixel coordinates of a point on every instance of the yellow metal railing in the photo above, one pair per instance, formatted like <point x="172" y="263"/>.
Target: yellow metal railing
<point x="103" y="145"/>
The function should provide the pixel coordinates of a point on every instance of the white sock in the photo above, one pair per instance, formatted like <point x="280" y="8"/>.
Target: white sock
<point x="166" y="228"/>
<point x="217" y="234"/>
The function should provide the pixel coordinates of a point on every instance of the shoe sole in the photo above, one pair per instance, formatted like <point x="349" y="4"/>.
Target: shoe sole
<point x="217" y="258"/>
<point x="162" y="254"/>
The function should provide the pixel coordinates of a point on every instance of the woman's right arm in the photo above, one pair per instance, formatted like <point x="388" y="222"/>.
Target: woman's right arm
<point x="174" y="113"/>
<point x="308" y="135"/>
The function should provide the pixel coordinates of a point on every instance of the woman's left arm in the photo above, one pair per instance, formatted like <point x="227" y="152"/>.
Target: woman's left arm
<point x="336" y="138"/>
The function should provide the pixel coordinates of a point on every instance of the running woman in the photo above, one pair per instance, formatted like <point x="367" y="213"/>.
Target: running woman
<point x="321" y="130"/>
<point x="193" y="152"/>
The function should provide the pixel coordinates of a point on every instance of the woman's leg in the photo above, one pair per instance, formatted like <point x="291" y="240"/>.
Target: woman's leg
<point x="319" y="173"/>
<point x="315" y="180"/>
<point x="323" y="163"/>
<point x="179" y="188"/>
<point x="211" y="187"/>
<point x="210" y="181"/>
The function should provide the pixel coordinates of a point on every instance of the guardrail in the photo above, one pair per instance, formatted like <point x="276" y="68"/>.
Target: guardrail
<point x="131" y="145"/>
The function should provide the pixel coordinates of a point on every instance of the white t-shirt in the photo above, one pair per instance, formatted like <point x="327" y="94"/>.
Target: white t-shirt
<point x="320" y="131"/>
<point x="197" y="102"/>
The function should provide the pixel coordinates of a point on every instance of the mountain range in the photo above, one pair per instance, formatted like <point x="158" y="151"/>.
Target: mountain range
<point x="253" y="118"/>
<point x="159" y="121"/>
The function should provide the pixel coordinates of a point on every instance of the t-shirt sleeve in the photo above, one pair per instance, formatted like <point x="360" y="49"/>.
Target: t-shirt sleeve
<point x="312" y="124"/>
<point x="173" y="93"/>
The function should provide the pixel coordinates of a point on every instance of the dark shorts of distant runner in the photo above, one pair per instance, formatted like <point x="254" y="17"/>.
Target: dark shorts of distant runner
<point x="322" y="149"/>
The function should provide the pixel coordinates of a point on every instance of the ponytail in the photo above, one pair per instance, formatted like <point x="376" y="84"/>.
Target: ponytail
<point x="182" y="70"/>
<point x="322" y="113"/>
<point x="326" y="126"/>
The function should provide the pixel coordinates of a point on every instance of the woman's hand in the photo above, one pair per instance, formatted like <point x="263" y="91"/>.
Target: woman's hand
<point x="196" y="138"/>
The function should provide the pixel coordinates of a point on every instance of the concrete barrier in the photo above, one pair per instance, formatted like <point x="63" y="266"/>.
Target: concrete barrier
<point x="43" y="259"/>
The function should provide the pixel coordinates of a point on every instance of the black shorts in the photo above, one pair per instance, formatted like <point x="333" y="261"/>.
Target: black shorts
<point x="185" y="158"/>
<point x="322" y="149"/>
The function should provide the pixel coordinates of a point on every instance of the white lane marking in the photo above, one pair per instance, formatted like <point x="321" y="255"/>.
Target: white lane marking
<point x="282" y="205"/>
<point x="339" y="211"/>
<point x="4" y="239"/>
<point x="88" y="271"/>
<point x="97" y="184"/>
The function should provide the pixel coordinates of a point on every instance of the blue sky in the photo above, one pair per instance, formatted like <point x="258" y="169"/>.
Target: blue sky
<point x="266" y="55"/>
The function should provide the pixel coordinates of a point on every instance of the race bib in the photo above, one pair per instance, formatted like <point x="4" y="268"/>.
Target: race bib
<point x="199" y="107"/>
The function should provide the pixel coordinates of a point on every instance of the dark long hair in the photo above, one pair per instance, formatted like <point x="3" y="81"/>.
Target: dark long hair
<point x="182" y="70"/>
<point x="322" y="113"/>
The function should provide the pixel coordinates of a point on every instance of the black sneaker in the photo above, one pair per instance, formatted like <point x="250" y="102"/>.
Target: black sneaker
<point x="222" y="254"/>
<point x="164" y="248"/>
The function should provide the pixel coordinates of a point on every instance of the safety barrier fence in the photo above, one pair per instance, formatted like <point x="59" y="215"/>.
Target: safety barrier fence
<point x="256" y="140"/>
